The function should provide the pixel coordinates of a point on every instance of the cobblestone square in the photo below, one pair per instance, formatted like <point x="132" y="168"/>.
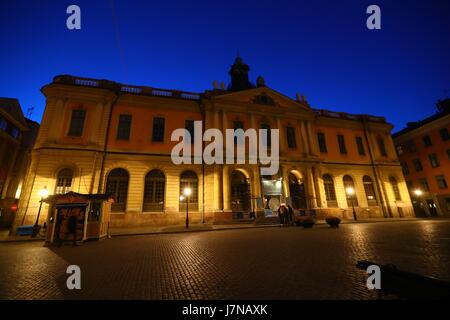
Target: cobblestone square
<point x="263" y="263"/>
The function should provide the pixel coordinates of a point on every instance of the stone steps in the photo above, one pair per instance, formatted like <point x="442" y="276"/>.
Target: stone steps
<point x="267" y="220"/>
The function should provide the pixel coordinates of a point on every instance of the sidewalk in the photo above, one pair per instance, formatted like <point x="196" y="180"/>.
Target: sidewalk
<point x="116" y="232"/>
<point x="135" y="231"/>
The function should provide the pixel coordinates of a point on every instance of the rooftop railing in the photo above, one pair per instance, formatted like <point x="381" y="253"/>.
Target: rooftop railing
<point x="347" y="116"/>
<point x="138" y="90"/>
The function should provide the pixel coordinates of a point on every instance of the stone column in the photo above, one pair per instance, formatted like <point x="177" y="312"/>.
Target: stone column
<point x="311" y="190"/>
<point x="282" y="141"/>
<point x="226" y="188"/>
<point x="284" y="181"/>
<point x="311" y="138"/>
<point x="256" y="190"/>
<point x="217" y="188"/>
<point x="304" y="137"/>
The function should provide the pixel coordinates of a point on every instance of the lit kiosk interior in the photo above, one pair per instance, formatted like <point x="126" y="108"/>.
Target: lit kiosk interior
<point x="91" y="211"/>
<point x="273" y="195"/>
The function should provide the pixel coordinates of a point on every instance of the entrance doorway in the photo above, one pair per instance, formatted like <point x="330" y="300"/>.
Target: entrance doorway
<point x="240" y="192"/>
<point x="432" y="208"/>
<point x="297" y="192"/>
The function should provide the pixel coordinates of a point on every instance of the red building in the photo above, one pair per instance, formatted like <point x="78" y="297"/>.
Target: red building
<point x="423" y="148"/>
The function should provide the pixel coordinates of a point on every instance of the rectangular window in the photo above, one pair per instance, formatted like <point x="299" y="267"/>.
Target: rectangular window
<point x="189" y="126"/>
<point x="405" y="168"/>
<point x="237" y="125"/>
<point x="411" y="146"/>
<point x="15" y="132"/>
<point x="360" y="146"/>
<point x="266" y="127"/>
<point x="158" y="129"/>
<point x="447" y="204"/>
<point x="442" y="184"/>
<point x="341" y="142"/>
<point x="424" y="184"/>
<point x="399" y="150"/>
<point x="77" y="123"/>
<point x="433" y="160"/>
<point x="322" y="142"/>
<point x="290" y="134"/>
<point x="417" y="165"/>
<point x="124" y="127"/>
<point x="382" y="147"/>
<point x="444" y="134"/>
<point x="427" y="141"/>
<point x="409" y="185"/>
<point x="3" y="124"/>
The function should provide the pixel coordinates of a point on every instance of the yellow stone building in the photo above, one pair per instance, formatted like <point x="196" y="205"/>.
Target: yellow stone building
<point x="99" y="136"/>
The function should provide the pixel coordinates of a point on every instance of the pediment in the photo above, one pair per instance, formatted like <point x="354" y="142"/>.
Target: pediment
<point x="262" y="96"/>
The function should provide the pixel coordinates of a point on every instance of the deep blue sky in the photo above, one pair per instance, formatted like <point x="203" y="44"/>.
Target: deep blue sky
<point x="320" y="48"/>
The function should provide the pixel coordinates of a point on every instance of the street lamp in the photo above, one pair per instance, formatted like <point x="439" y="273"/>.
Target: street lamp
<point x="351" y="192"/>
<point x="186" y="192"/>
<point x="44" y="194"/>
<point x="418" y="193"/>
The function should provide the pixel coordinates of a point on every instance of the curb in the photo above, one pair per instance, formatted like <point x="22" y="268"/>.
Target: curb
<point x="250" y="226"/>
<point x="192" y="231"/>
<point x="21" y="240"/>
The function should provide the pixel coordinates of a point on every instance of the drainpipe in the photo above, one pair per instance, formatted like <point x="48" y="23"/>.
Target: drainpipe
<point x="383" y="207"/>
<point x="105" y="147"/>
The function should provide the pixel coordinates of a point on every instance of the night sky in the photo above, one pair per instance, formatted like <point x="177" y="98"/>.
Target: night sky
<point x="319" y="48"/>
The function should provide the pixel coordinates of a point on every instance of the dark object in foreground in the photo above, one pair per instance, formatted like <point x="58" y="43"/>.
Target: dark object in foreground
<point x="333" y="221"/>
<point x="25" y="230"/>
<point x="305" y="222"/>
<point x="407" y="285"/>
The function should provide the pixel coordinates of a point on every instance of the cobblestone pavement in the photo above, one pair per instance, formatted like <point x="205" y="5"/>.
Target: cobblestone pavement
<point x="269" y="263"/>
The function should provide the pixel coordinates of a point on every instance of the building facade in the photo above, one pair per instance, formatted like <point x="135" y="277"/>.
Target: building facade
<point x="17" y="136"/>
<point x="423" y="148"/>
<point x="99" y="136"/>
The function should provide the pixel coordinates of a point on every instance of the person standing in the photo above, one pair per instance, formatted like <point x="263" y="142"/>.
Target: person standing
<point x="290" y="214"/>
<point x="281" y="215"/>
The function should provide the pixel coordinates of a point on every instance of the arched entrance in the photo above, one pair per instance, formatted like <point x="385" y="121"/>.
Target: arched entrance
<point x="297" y="192"/>
<point x="240" y="192"/>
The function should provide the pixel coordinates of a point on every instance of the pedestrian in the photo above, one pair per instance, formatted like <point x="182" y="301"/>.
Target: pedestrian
<point x="290" y="214"/>
<point x="281" y="215"/>
<point x="284" y="215"/>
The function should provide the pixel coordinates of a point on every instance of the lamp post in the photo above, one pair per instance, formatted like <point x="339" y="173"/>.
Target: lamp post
<point x="418" y="193"/>
<point x="44" y="194"/>
<point x="351" y="192"/>
<point x="186" y="192"/>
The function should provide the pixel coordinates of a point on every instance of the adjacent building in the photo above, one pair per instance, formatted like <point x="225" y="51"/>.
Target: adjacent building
<point x="423" y="148"/>
<point x="17" y="136"/>
<point x="100" y="136"/>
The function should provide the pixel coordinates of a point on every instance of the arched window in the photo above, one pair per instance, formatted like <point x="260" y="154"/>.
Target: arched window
<point x="349" y="185"/>
<point x="154" y="189"/>
<point x="188" y="179"/>
<point x="330" y="192"/>
<point x="395" y="188"/>
<point x="64" y="181"/>
<point x="268" y="142"/>
<point x="297" y="192"/>
<point x="117" y="186"/>
<point x="370" y="191"/>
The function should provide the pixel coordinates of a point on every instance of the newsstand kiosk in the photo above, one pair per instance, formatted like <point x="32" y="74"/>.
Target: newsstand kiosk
<point x="91" y="211"/>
